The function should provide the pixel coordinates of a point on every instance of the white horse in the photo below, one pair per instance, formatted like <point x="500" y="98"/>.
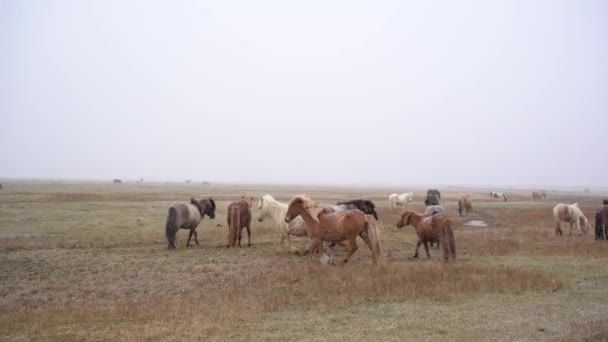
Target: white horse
<point x="570" y="213"/>
<point x="394" y="200"/>
<point x="275" y="210"/>
<point x="498" y="195"/>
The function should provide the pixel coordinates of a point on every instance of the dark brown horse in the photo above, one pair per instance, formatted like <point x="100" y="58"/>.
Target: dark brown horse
<point x="239" y="218"/>
<point x="435" y="228"/>
<point x="187" y="216"/>
<point x="431" y="200"/>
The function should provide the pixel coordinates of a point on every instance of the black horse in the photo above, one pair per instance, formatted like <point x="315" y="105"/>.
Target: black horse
<point x="365" y="206"/>
<point x="431" y="200"/>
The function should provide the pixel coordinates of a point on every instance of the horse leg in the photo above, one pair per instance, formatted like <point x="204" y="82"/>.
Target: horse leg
<point x="316" y="244"/>
<point x="239" y="234"/>
<point x="417" y="246"/>
<point x="558" y="228"/>
<point x="367" y="241"/>
<point x="352" y="249"/>
<point x="196" y="237"/>
<point x="189" y="237"/>
<point x="248" y="236"/>
<point x="426" y="249"/>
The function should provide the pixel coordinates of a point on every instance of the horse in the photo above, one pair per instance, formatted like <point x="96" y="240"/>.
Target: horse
<point x="498" y="195"/>
<point x="206" y="184"/>
<point x="366" y="206"/>
<point x="1" y="185"/>
<point x="239" y="217"/>
<point x="599" y="224"/>
<point x="334" y="227"/>
<point x="572" y="214"/>
<point x="434" y="228"/>
<point x="434" y="209"/>
<point x="538" y="195"/>
<point x="403" y="199"/>
<point x="431" y="200"/>
<point x="465" y="205"/>
<point x="117" y="181"/>
<point x="605" y="219"/>
<point x="141" y="180"/>
<point x="270" y="208"/>
<point x="433" y="192"/>
<point x="188" y="181"/>
<point x="187" y="216"/>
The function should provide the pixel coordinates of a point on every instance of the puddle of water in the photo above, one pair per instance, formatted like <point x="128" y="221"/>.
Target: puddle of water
<point x="476" y="223"/>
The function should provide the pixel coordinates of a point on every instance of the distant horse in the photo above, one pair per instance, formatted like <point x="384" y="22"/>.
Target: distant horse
<point x="206" y="184"/>
<point x="239" y="218"/>
<point x="600" y="232"/>
<point x="538" y="195"/>
<point x="431" y="200"/>
<point x="117" y="181"/>
<point x="498" y="195"/>
<point x="270" y="208"/>
<point x="366" y="206"/>
<point x="465" y="205"/>
<point x="141" y="180"/>
<point x="433" y="192"/>
<point x="188" y="181"/>
<point x="434" y="209"/>
<point x="570" y="213"/>
<point x="394" y="200"/>
<point x="605" y="219"/>
<point x="334" y="227"/>
<point x="187" y="216"/>
<point x="435" y="228"/>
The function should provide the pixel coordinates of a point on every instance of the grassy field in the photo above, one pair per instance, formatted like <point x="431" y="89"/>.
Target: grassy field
<point x="89" y="262"/>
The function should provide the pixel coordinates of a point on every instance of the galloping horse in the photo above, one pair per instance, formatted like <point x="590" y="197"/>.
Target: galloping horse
<point x="435" y="228"/>
<point x="394" y="200"/>
<point x="570" y="213"/>
<point x="187" y="216"/>
<point x="334" y="227"/>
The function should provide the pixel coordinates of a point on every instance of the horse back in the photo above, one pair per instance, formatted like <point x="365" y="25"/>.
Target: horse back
<point x="244" y="213"/>
<point x="186" y="215"/>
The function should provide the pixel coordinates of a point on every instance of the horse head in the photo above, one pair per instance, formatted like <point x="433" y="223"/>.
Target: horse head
<point x="248" y="200"/>
<point x="209" y="207"/>
<point x="404" y="220"/>
<point x="299" y="205"/>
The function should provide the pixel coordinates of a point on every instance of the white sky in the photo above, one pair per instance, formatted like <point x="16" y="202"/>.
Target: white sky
<point x="343" y="92"/>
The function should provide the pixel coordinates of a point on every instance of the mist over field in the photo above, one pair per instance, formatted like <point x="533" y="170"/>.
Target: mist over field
<point x="348" y="92"/>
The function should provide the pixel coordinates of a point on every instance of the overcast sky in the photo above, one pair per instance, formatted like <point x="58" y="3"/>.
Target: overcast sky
<point x="344" y="92"/>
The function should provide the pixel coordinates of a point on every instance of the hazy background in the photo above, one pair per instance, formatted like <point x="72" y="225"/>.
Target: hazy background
<point x="344" y="92"/>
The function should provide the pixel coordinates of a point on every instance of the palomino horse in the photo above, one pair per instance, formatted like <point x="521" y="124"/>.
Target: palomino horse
<point x="538" y="195"/>
<point x="239" y="218"/>
<point x="435" y="228"/>
<point x="187" y="216"/>
<point x="570" y="213"/>
<point x="366" y="206"/>
<point x="465" y="205"/>
<point x="334" y="227"/>
<point x="498" y="195"/>
<point x="433" y="192"/>
<point x="394" y="200"/>
<point x="270" y="208"/>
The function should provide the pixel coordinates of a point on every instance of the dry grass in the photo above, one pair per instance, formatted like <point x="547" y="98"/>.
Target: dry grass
<point x="92" y="265"/>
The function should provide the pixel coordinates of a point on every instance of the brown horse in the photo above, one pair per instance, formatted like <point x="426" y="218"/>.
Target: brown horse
<point x="239" y="217"/>
<point x="436" y="228"/>
<point x="465" y="205"/>
<point x="334" y="227"/>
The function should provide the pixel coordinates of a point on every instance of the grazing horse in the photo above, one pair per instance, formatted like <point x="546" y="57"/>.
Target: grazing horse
<point x="570" y="213"/>
<point x="433" y="192"/>
<point x="431" y="200"/>
<point x="599" y="224"/>
<point x="239" y="217"/>
<point x="538" y="195"/>
<point x="117" y="181"/>
<point x="187" y="216"/>
<point x="270" y="208"/>
<point x="435" y="228"/>
<point x="334" y="227"/>
<point x="465" y="205"/>
<point x="498" y="195"/>
<point x="394" y="200"/>
<point x="366" y="206"/>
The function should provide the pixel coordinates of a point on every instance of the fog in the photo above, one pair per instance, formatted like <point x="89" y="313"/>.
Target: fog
<point x="314" y="92"/>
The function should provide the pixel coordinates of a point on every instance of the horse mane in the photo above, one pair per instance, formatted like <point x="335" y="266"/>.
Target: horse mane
<point x="212" y="202"/>
<point x="307" y="201"/>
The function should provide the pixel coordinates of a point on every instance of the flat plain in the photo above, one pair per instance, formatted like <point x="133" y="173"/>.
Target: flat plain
<point x="89" y="262"/>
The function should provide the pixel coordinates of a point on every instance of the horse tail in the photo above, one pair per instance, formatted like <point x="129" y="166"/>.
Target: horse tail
<point x="171" y="226"/>
<point x="449" y="234"/>
<point x="372" y="232"/>
<point x="235" y="224"/>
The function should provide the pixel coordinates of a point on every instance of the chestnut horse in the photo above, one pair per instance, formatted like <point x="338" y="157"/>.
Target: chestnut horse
<point x="334" y="227"/>
<point x="465" y="205"/>
<point x="239" y="217"/>
<point x="435" y="228"/>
